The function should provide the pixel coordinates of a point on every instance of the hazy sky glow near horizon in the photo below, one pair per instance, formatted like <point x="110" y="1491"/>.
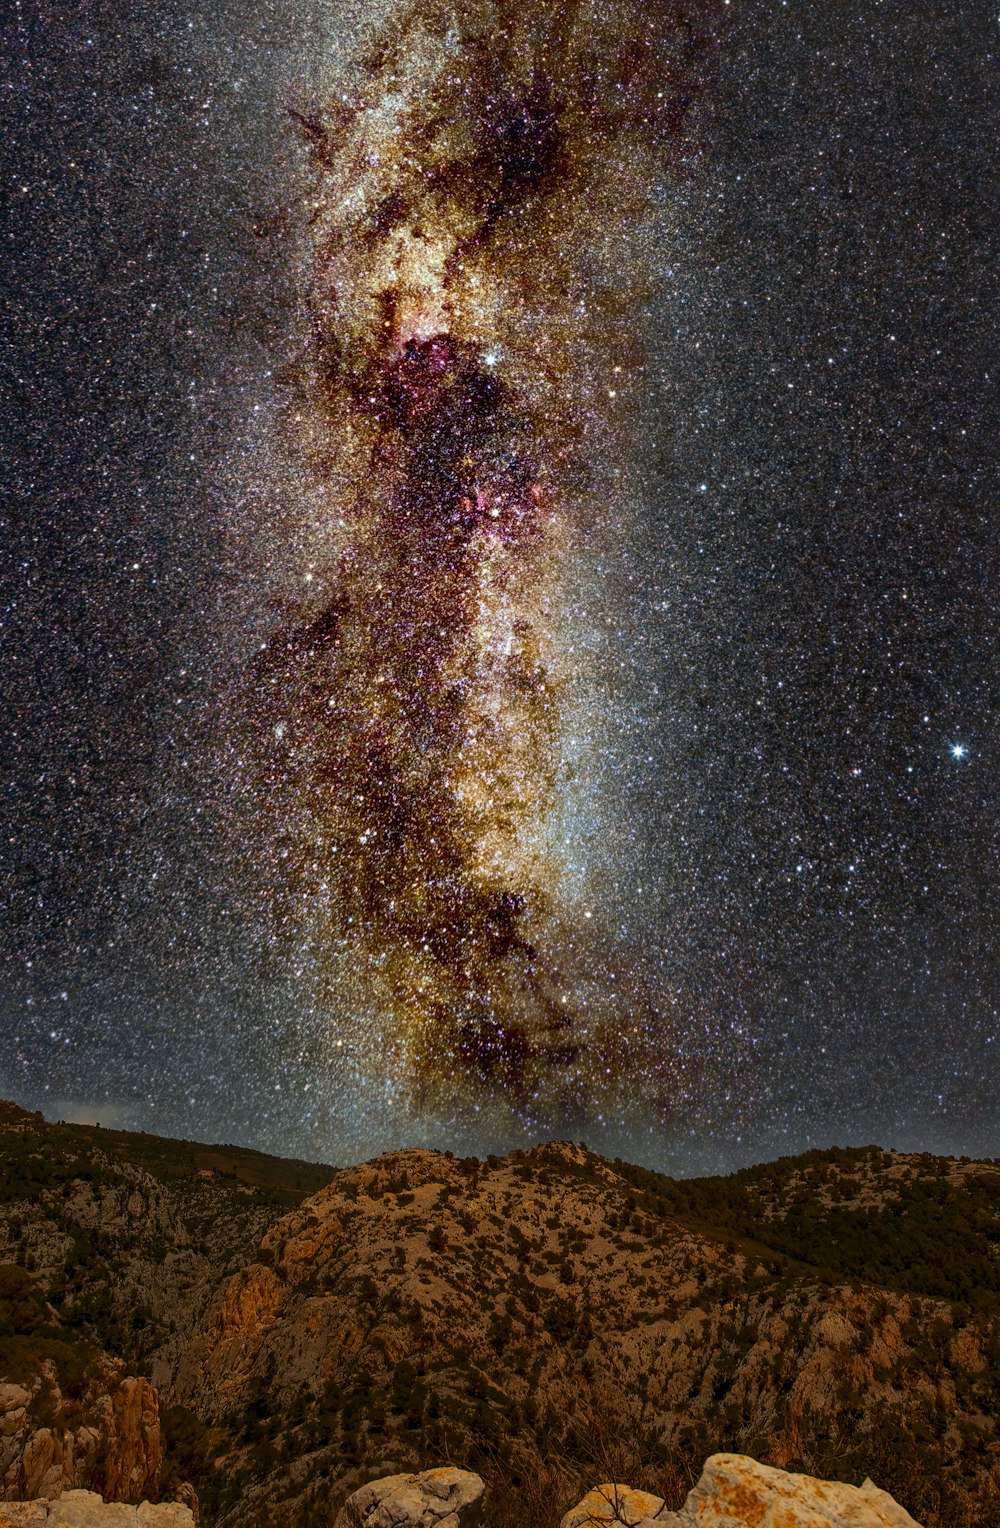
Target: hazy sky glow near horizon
<point x="499" y="615"/>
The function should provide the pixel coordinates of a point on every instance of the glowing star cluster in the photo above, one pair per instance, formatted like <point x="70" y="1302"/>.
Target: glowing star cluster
<point x="474" y="253"/>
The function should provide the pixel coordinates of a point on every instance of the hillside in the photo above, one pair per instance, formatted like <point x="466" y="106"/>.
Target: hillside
<point x="548" y="1318"/>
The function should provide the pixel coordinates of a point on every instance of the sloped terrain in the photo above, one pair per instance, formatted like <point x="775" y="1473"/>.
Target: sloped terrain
<point x="110" y="1244"/>
<point x="547" y="1318"/>
<point x="536" y="1311"/>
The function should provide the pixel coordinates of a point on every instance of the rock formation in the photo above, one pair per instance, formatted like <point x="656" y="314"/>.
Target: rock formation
<point x="737" y="1492"/>
<point x="441" y="1498"/>
<point x="609" y="1504"/>
<point x="548" y="1319"/>
<point x="109" y="1435"/>
<point x="85" y="1509"/>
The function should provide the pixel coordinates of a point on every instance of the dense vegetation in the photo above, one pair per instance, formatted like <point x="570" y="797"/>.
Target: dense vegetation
<point x="35" y="1155"/>
<point x="924" y="1233"/>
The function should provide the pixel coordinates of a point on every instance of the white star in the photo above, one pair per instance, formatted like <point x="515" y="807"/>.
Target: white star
<point x="958" y="750"/>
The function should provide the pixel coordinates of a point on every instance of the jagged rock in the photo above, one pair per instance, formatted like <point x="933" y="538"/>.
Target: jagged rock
<point x="616" y="1504"/>
<point x="736" y="1492"/>
<point x="442" y="1498"/>
<point x="117" y="1422"/>
<point x="130" y="1420"/>
<point x="85" y="1509"/>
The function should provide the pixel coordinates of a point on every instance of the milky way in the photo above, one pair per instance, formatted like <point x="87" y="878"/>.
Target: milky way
<point x="498" y="596"/>
<point x="476" y="269"/>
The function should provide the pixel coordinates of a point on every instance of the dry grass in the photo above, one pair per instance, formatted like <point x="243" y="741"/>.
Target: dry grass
<point x="540" y="1499"/>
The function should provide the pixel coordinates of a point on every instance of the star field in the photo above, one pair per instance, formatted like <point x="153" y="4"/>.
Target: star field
<point x="499" y="620"/>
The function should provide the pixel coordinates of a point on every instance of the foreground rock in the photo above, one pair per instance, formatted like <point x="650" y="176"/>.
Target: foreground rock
<point x="442" y="1498"/>
<point x="737" y="1492"/>
<point x="734" y="1491"/>
<point x="617" y="1504"/>
<point x="85" y="1509"/>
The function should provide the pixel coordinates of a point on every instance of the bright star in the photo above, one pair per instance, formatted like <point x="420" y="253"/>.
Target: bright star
<point x="958" y="750"/>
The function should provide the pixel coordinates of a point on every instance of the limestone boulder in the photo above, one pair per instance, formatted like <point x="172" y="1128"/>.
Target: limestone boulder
<point x="85" y="1509"/>
<point x="441" y="1498"/>
<point x="736" y="1492"/>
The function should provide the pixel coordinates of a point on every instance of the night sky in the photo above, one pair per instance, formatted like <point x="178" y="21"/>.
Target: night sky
<point x="499" y="595"/>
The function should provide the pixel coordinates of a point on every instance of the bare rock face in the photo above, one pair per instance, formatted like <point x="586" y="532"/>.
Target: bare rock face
<point x="110" y="1439"/>
<point x="442" y="1498"/>
<point x="130" y="1420"/>
<point x="85" y="1509"/>
<point x="737" y="1492"/>
<point x="617" y="1504"/>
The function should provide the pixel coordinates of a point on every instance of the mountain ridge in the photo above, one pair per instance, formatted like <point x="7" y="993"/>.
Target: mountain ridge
<point x="548" y="1317"/>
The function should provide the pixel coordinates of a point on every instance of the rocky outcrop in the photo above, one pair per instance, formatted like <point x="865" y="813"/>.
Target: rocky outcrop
<point x="130" y="1427"/>
<point x="85" y="1509"/>
<point x="110" y="1438"/>
<point x="442" y="1498"/>
<point x="737" y="1492"/>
